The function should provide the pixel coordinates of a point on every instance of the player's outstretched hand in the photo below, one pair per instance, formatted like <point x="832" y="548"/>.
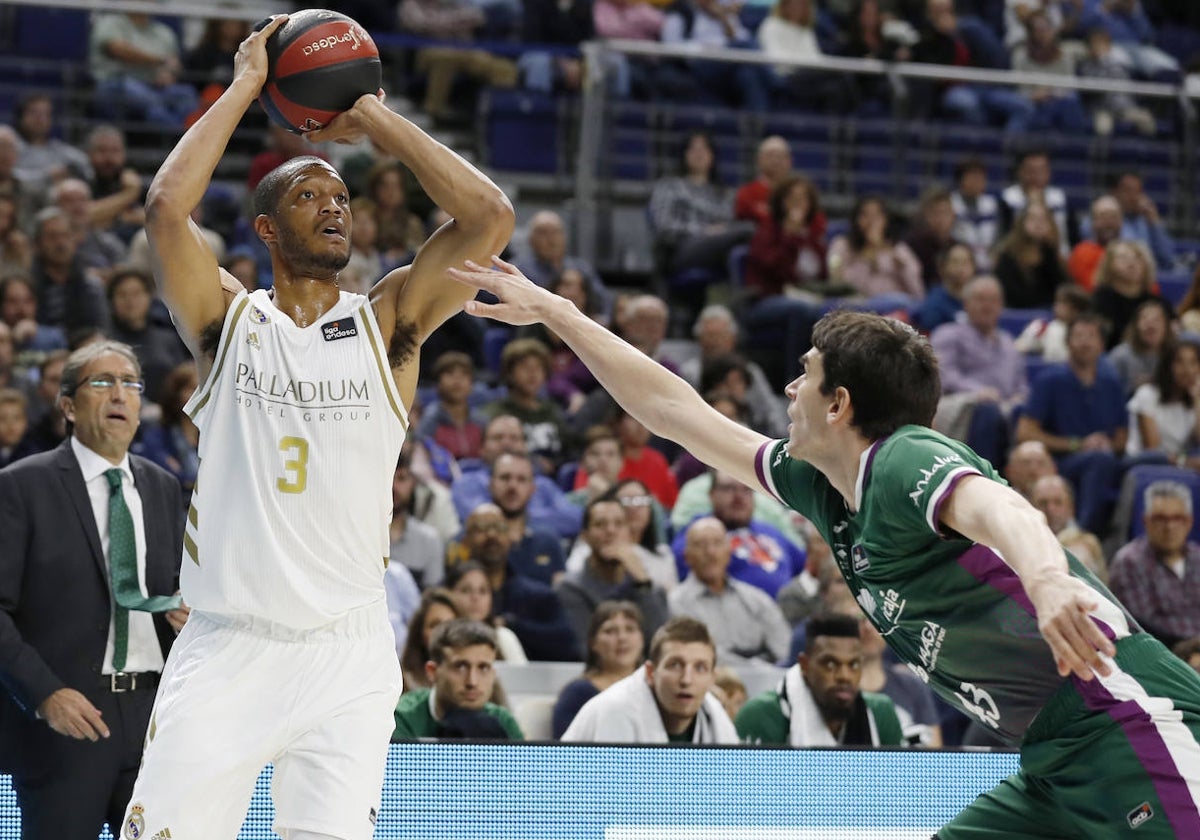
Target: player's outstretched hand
<point x="251" y="58"/>
<point x="521" y="301"/>
<point x="1063" y="604"/>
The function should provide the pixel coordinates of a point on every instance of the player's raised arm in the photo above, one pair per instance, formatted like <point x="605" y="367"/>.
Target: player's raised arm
<point x="664" y="403"/>
<point x="482" y="216"/>
<point x="184" y="265"/>
<point x="997" y="516"/>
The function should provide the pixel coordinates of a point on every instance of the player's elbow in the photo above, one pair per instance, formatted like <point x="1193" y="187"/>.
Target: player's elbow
<point x="162" y="206"/>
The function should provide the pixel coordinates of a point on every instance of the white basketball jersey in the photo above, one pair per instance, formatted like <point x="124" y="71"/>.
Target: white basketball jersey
<point x="300" y="429"/>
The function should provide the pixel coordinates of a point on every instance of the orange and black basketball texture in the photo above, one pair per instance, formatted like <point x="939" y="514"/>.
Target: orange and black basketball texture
<point x="319" y="63"/>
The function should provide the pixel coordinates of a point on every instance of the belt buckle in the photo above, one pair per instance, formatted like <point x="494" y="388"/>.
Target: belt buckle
<point x="120" y="682"/>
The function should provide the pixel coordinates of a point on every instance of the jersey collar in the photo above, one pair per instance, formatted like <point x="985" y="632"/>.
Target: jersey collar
<point x="864" y="465"/>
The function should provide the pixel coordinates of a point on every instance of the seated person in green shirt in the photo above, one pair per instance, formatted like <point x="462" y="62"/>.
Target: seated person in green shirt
<point x="462" y="654"/>
<point x="819" y="703"/>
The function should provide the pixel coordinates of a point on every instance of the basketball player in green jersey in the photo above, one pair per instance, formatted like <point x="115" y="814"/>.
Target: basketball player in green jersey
<point x="958" y="572"/>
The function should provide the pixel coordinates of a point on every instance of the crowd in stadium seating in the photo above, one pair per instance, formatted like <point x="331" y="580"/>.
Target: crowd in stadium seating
<point x="537" y="521"/>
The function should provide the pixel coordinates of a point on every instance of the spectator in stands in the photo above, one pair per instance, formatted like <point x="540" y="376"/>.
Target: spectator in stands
<point x="158" y="348"/>
<point x="1147" y="336"/>
<point x="642" y="461"/>
<point x="548" y="509"/>
<point x="1141" y="222"/>
<point x="1027" y="462"/>
<point x="729" y="374"/>
<point x="366" y="260"/>
<point x="790" y="32"/>
<point x="472" y="590"/>
<point x="16" y="252"/>
<point x="437" y="606"/>
<point x="1047" y="337"/>
<point x="412" y="543"/>
<point x="462" y="678"/>
<point x="773" y="163"/>
<point x="695" y="499"/>
<point x="1125" y="279"/>
<point x="117" y="189"/>
<point x="1157" y="576"/>
<point x="616" y="569"/>
<point x="451" y="421"/>
<point x="401" y="231"/>
<point x="242" y="266"/>
<point x="527" y="606"/>
<point x="601" y="461"/>
<point x="1032" y="182"/>
<point x="745" y="622"/>
<point x="865" y="36"/>
<point x="692" y="214"/>
<point x="48" y="423"/>
<point x="729" y="689"/>
<point x="67" y="295"/>
<point x="1028" y="263"/>
<point x="10" y="375"/>
<point x="711" y="24"/>
<point x="932" y="232"/>
<point x="819" y="703"/>
<point x="173" y="441"/>
<point x="13" y="424"/>
<point x="524" y="369"/>
<point x="916" y="709"/>
<point x="716" y="333"/>
<point x="32" y="340"/>
<point x="1111" y="108"/>
<point x="537" y="552"/>
<point x="956" y="267"/>
<point x="615" y="648"/>
<point x="636" y="20"/>
<point x="1105" y="229"/>
<point x="1053" y="497"/>
<point x="139" y="245"/>
<point x="1054" y="108"/>
<point x="565" y="25"/>
<point x="687" y="466"/>
<point x="761" y="554"/>
<point x="28" y="197"/>
<point x="1133" y="37"/>
<point x="571" y="384"/>
<point x="976" y="211"/>
<point x="667" y="700"/>
<point x="210" y="62"/>
<point x="643" y="323"/>
<point x="1163" y="414"/>
<point x="1077" y="410"/>
<point x="647" y="528"/>
<point x="1189" y="651"/>
<point x="43" y="158"/>
<point x="403" y="598"/>
<point x="872" y="262"/>
<point x="1189" y="306"/>
<point x="983" y="374"/>
<point x="135" y="61"/>
<point x="548" y="259"/>
<point x="452" y="20"/>
<point x="1064" y="17"/>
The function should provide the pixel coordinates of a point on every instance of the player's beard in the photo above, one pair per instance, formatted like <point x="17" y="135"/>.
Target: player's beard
<point x="306" y="262"/>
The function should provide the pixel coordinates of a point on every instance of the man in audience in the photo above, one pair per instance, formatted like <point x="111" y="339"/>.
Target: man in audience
<point x="67" y="296"/>
<point x="1157" y="576"/>
<point x="548" y="508"/>
<point x="983" y="374"/>
<point x="47" y="424"/>
<point x="450" y="420"/>
<point x="601" y="461"/>
<point x="13" y="424"/>
<point x="81" y="644"/>
<point x="462" y="656"/>
<point x="745" y="623"/>
<point x="117" y="188"/>
<point x="412" y="543"/>
<point x="1140" y="220"/>
<point x="135" y="61"/>
<point x="1105" y="228"/>
<point x="976" y="211"/>
<point x="32" y="340"/>
<point x="10" y="376"/>
<point x="44" y="159"/>
<point x="667" y="700"/>
<point x="524" y="370"/>
<point x="1027" y="462"/>
<point x="1077" y="409"/>
<point x="614" y="570"/>
<point x="96" y="248"/>
<point x="1053" y="497"/>
<point x="548" y="258"/>
<point x="1033" y="175"/>
<point x="28" y="196"/>
<point x="819" y="703"/>
<point x="762" y="555"/>
<point x="159" y="350"/>
<point x="537" y="553"/>
<point x="774" y="163"/>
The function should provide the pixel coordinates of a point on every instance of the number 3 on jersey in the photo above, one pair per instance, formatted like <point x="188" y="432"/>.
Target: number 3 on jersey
<point x="295" y="465"/>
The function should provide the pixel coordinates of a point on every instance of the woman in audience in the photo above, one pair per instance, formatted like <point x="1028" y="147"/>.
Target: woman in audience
<point x="1162" y="414"/>
<point x="615" y="648"/>
<point x="1189" y="307"/>
<point x="1028" y="264"/>
<point x="956" y="266"/>
<point x="1142" y="345"/>
<point x="437" y="606"/>
<point x="932" y="232"/>
<point x="647" y="529"/>
<point x="872" y="262"/>
<point x="401" y="231"/>
<point x="472" y="592"/>
<point x="173" y="441"/>
<point x="1125" y="279"/>
<point x="570" y="381"/>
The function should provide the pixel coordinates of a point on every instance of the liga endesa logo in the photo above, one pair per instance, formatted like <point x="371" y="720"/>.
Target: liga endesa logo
<point x="353" y="35"/>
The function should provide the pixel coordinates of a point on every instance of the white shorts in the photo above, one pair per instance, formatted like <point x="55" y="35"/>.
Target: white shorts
<point x="238" y="694"/>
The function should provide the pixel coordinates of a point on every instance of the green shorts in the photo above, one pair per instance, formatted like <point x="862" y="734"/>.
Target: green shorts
<point x="1115" y="757"/>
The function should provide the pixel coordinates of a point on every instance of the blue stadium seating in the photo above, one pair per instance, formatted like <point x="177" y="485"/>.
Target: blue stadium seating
<point x="54" y="34"/>
<point x="522" y="130"/>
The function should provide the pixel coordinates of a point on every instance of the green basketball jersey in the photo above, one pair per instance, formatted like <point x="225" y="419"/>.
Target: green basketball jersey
<point x="951" y="609"/>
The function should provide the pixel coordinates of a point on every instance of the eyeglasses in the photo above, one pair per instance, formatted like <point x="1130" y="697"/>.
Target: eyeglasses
<point x="105" y="381"/>
<point x="637" y="501"/>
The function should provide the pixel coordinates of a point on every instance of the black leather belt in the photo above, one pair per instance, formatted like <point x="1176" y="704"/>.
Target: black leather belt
<point x="121" y="681"/>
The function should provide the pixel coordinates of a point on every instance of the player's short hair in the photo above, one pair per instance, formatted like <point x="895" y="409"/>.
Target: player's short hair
<point x="274" y="184"/>
<point x="889" y="369"/>
<point x="453" y="360"/>
<point x="458" y="633"/>
<point x="683" y="629"/>
<point x="87" y="354"/>
<point x="835" y="625"/>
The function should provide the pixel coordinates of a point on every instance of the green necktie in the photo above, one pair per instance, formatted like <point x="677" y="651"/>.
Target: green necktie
<point x="122" y="571"/>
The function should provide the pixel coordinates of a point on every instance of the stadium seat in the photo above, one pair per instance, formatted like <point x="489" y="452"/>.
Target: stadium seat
<point x="494" y="340"/>
<point x="54" y="34"/>
<point x="1173" y="284"/>
<point x="521" y="130"/>
<point x="565" y="477"/>
<point x="1014" y="321"/>
<point x="1143" y="476"/>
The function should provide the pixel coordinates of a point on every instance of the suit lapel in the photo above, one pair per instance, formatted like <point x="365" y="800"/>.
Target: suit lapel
<point x="76" y="490"/>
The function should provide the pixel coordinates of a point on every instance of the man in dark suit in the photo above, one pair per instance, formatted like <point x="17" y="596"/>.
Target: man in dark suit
<point x="89" y="532"/>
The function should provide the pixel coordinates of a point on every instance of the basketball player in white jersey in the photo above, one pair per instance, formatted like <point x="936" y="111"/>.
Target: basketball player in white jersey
<point x="289" y="657"/>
